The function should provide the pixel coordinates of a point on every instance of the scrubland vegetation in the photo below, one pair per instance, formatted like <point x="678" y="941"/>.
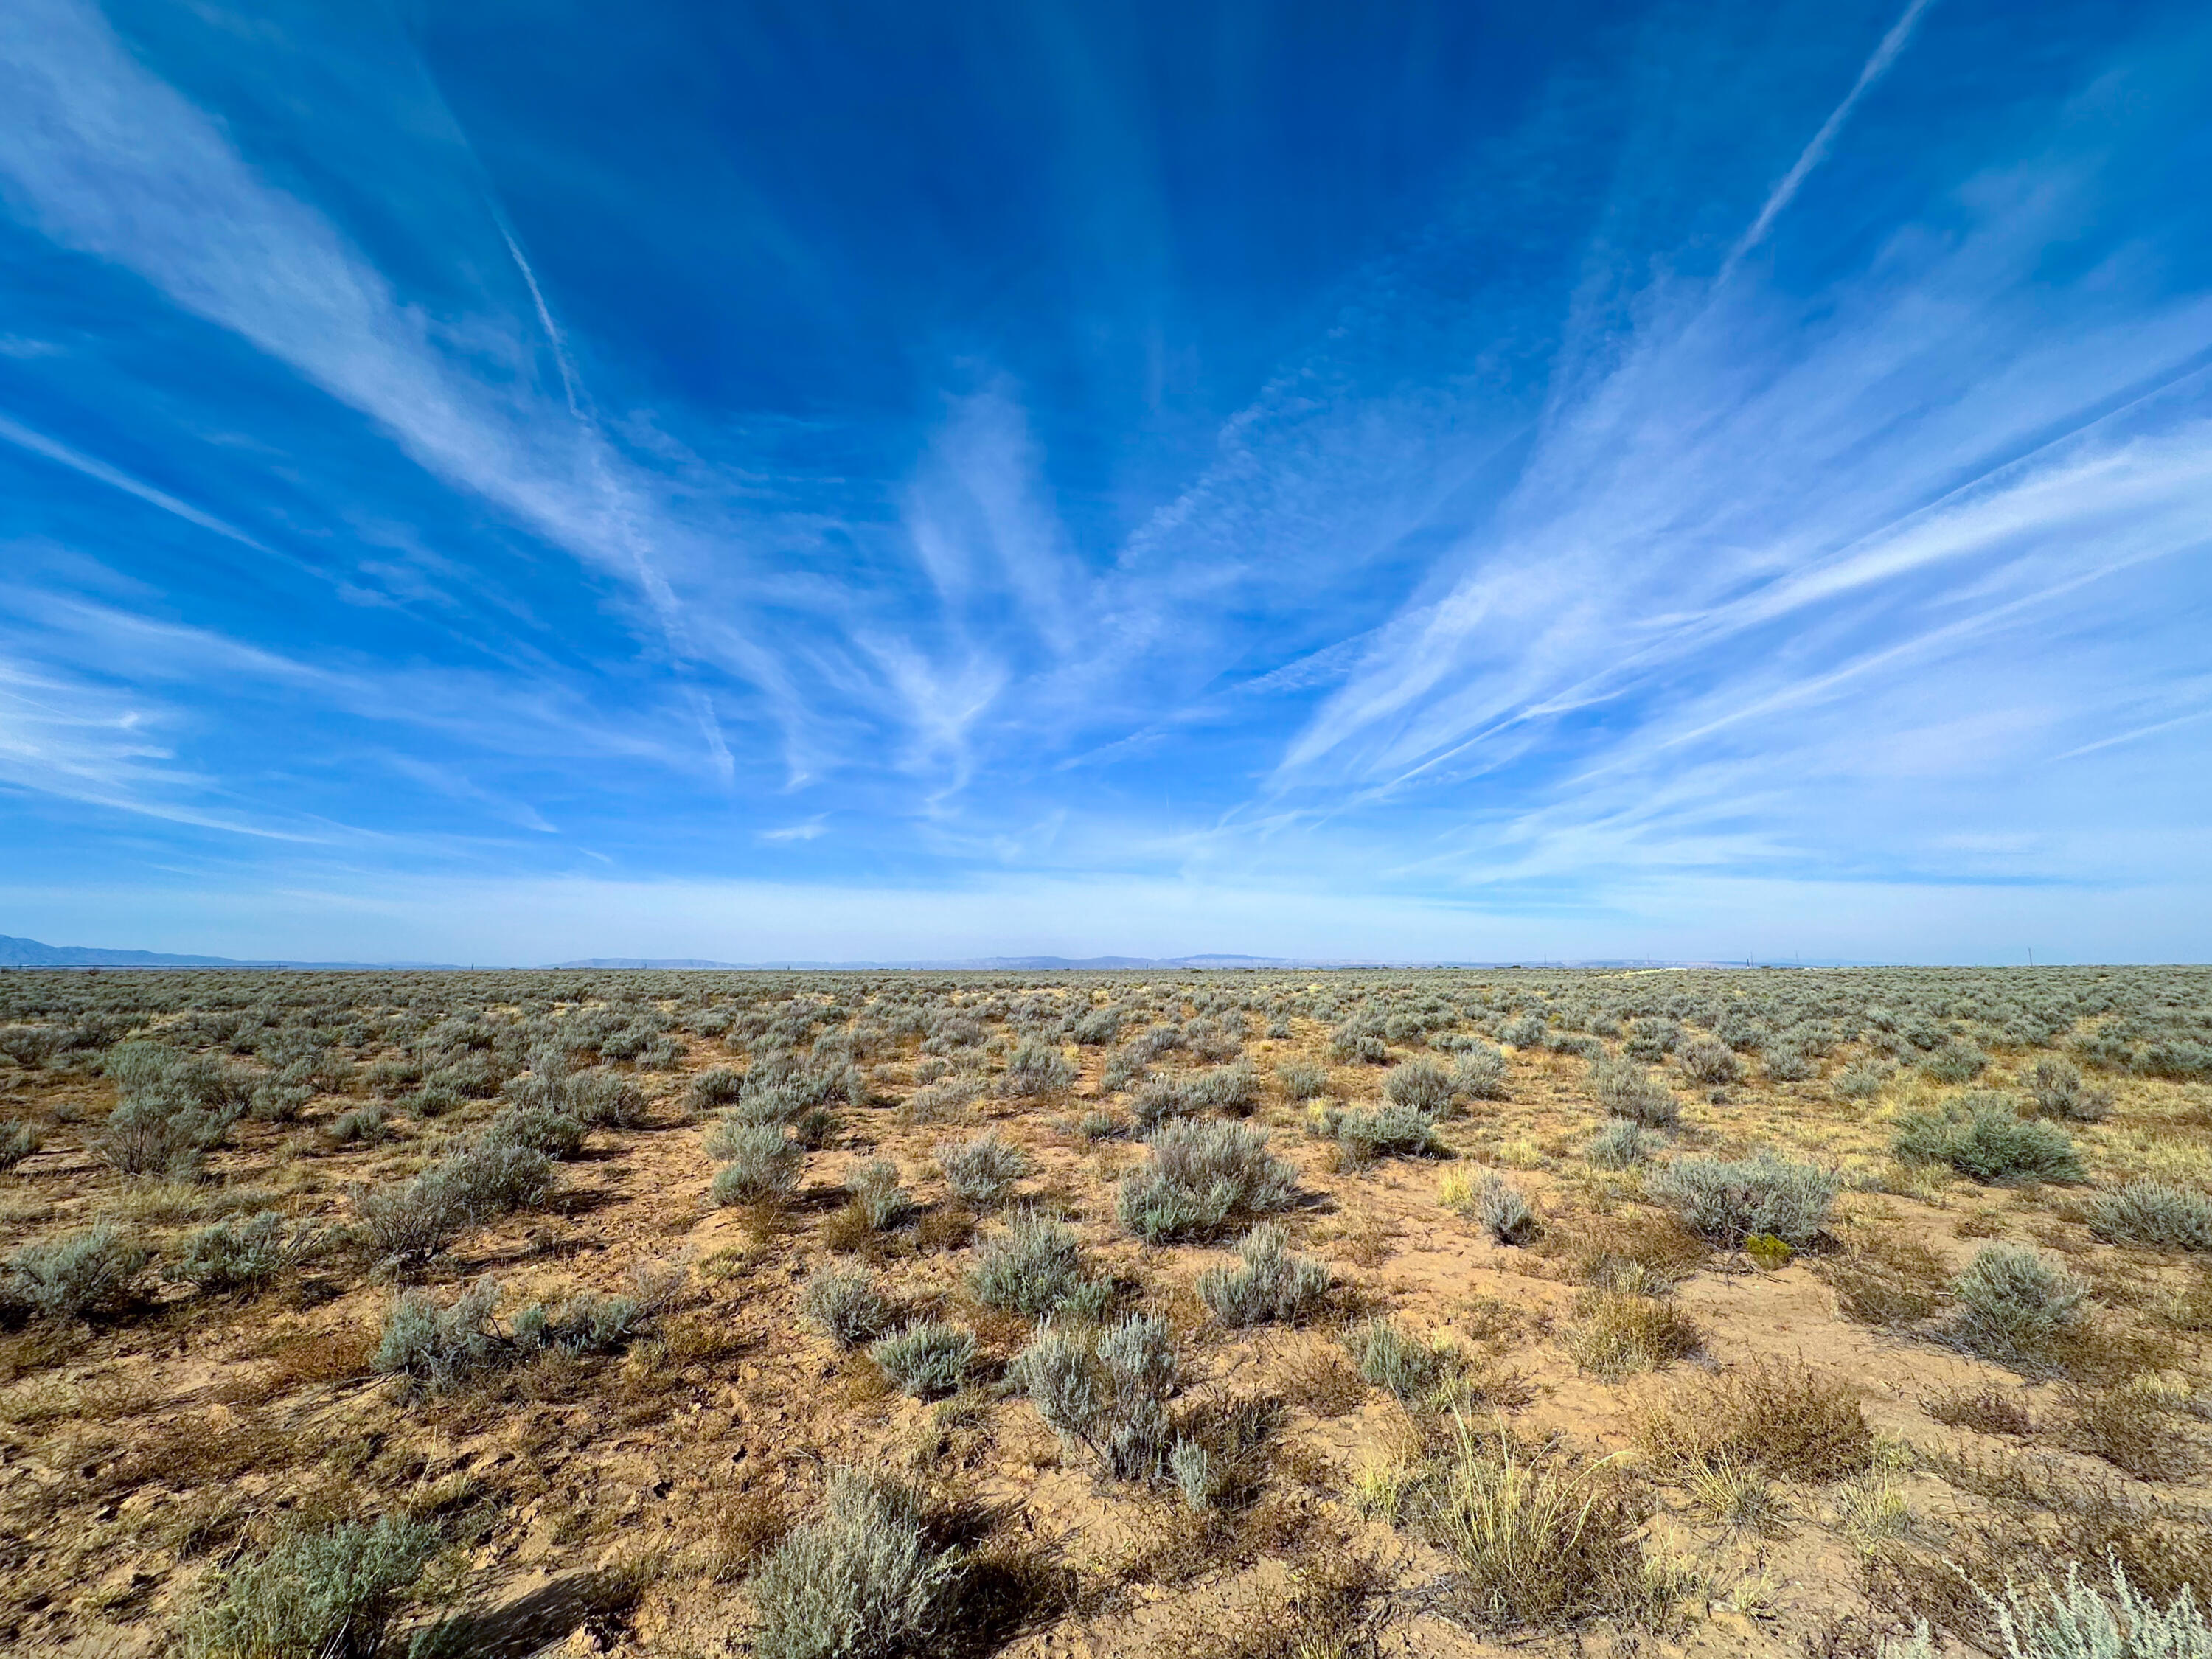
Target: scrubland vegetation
<point x="1235" y="1316"/>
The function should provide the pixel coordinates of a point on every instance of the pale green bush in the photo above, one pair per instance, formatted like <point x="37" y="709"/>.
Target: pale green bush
<point x="323" y="1594"/>
<point x="981" y="1171"/>
<point x="1419" y="1087"/>
<point x="1479" y="1073"/>
<point x="1274" y="1284"/>
<point x="760" y="1162"/>
<point x="1031" y="1266"/>
<point x="1728" y="1201"/>
<point x="18" y="1140"/>
<point x="1621" y="1145"/>
<point x="1982" y="1138"/>
<point x="78" y="1275"/>
<point x="925" y="1359"/>
<point x="844" y="1304"/>
<point x="2013" y="1304"/>
<point x="860" y="1581"/>
<point x="1202" y="1174"/>
<point x="2156" y="1213"/>
<point x="1104" y="1392"/>
<point x="1035" y="1069"/>
<point x="1624" y="1089"/>
<point x="241" y="1256"/>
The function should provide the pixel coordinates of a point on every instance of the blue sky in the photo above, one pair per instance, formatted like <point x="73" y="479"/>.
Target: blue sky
<point x="512" y="482"/>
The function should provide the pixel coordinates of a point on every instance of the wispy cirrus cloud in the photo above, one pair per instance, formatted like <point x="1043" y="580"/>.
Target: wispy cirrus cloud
<point x="1664" y="496"/>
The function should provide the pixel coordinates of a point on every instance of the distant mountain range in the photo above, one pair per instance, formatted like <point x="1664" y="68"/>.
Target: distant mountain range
<point x="30" y="953"/>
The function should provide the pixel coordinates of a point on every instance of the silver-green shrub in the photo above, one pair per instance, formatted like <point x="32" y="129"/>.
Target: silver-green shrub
<point x="1728" y="1200"/>
<point x="1367" y="1132"/>
<point x="844" y="1304"/>
<point x="1104" y="1391"/>
<point x="1500" y="1210"/>
<point x="925" y="1359"/>
<point x="1621" y="1145"/>
<point x="874" y="1186"/>
<point x="2013" y="1304"/>
<point x="860" y="1581"/>
<point x="1624" y="1089"/>
<point x="541" y="1128"/>
<point x="241" y="1256"/>
<point x="759" y="1162"/>
<point x="1203" y="1174"/>
<point x="1274" y="1284"/>
<point x="1861" y="1080"/>
<point x="1031" y="1266"/>
<point x="1035" y="1069"/>
<point x="1390" y="1357"/>
<point x="1420" y="1087"/>
<point x="331" y="1595"/>
<point x="2081" y="1621"/>
<point x="2156" y="1213"/>
<point x="981" y="1171"/>
<point x="414" y="1220"/>
<point x="1479" y="1073"/>
<point x="1707" y="1061"/>
<point x="2056" y="1087"/>
<point x="77" y="1275"/>
<point x="1982" y="1138"/>
<point x="18" y="1140"/>
<point x="440" y="1346"/>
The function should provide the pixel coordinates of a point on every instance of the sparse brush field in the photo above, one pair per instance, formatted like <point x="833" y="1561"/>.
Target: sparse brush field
<point x="1233" y="1316"/>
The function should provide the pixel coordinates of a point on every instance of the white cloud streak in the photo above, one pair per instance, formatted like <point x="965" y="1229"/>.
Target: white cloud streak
<point x="1885" y="53"/>
<point x="39" y="444"/>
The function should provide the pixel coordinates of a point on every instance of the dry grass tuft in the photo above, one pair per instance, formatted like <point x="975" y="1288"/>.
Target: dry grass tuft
<point x="741" y="1529"/>
<point x="2127" y="1426"/>
<point x="1984" y="1411"/>
<point x="1321" y="1381"/>
<point x="1618" y="1333"/>
<point x="1542" y="1540"/>
<point x="1323" y="1613"/>
<point x="1649" y="1247"/>
<point x="1886" y="1280"/>
<point x="1771" y="1415"/>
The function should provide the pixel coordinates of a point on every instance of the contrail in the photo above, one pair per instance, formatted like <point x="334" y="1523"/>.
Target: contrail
<point x="655" y="585"/>
<point x="39" y="444"/>
<point x="1884" y="55"/>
